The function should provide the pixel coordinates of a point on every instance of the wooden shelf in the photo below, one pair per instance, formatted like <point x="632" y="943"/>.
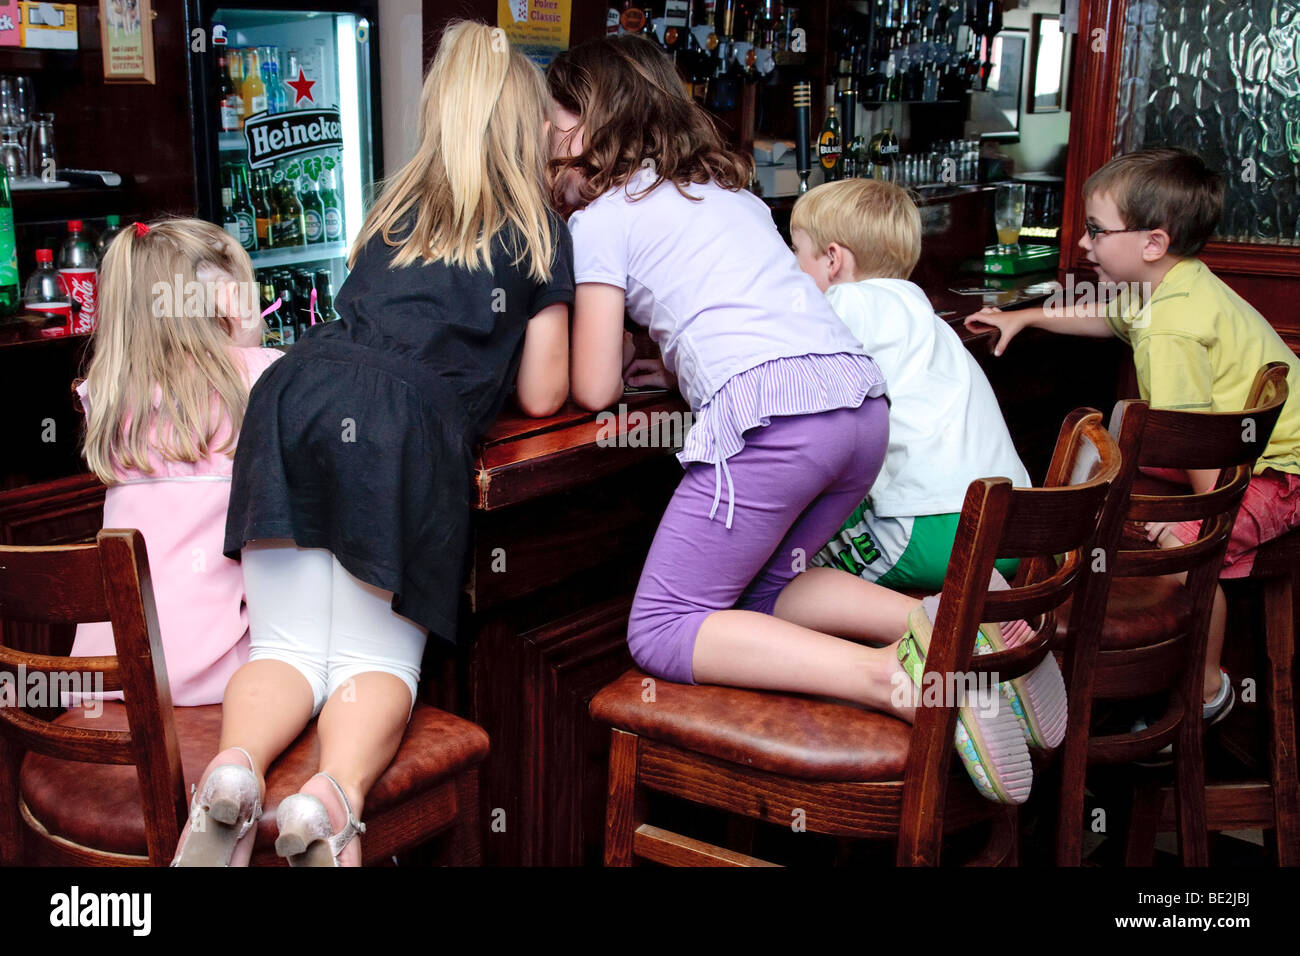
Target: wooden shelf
<point x="15" y="59"/>
<point x="75" y="202"/>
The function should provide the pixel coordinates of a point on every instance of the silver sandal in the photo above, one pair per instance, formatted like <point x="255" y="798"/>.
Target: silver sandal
<point x="221" y="815"/>
<point x="305" y="838"/>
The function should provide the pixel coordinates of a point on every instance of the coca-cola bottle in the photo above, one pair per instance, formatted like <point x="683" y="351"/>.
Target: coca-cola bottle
<point x="78" y="271"/>
<point x="45" y="295"/>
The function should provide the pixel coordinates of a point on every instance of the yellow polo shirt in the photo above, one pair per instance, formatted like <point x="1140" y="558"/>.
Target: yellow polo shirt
<point x="1197" y="346"/>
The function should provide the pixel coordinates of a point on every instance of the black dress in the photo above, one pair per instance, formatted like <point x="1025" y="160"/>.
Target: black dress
<point x="360" y="440"/>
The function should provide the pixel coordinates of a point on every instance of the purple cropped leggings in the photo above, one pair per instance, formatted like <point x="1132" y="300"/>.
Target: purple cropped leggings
<point x="796" y="481"/>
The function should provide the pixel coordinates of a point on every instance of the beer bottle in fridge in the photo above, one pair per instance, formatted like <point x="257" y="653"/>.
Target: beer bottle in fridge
<point x="302" y="290"/>
<point x="243" y="209"/>
<point x="228" y="102"/>
<point x="263" y="211"/>
<point x="8" y="250"/>
<point x="78" y="271"/>
<point x="228" y="220"/>
<point x="254" y="91"/>
<point x="287" y="314"/>
<point x="324" y="297"/>
<point x="236" y="68"/>
<point x="331" y="202"/>
<point x="292" y="221"/>
<point x="313" y="210"/>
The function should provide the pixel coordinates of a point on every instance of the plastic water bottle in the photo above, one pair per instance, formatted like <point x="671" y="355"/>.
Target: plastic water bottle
<point x="45" y="295"/>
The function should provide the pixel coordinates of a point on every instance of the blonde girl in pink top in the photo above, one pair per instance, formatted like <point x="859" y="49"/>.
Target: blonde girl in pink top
<point x="179" y="335"/>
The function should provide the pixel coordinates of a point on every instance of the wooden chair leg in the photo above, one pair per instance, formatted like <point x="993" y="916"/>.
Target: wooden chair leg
<point x="1280" y="637"/>
<point x="1072" y="766"/>
<point x="625" y="809"/>
<point x="1143" y="823"/>
<point x="1189" y="788"/>
<point x="466" y="846"/>
<point x="11" y="824"/>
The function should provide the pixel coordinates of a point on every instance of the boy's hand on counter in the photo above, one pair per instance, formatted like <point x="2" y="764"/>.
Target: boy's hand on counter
<point x="629" y="351"/>
<point x="1008" y="325"/>
<point x="648" y="373"/>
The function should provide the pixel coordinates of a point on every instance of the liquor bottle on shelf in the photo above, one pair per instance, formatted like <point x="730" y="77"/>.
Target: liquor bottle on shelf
<point x="331" y="202"/>
<point x="78" y="271"/>
<point x="113" y="225"/>
<point x="312" y="208"/>
<point x="45" y="295"/>
<point x="276" y="101"/>
<point x="254" y="91"/>
<point x="8" y="250"/>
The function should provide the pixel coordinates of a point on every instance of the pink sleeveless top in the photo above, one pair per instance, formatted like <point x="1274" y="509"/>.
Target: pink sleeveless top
<point x="181" y="511"/>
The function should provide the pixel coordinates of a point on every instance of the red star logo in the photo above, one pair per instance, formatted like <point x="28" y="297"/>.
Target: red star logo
<point x="301" y="88"/>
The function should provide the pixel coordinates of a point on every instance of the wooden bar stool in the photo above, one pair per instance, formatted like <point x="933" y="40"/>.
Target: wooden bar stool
<point x="853" y="772"/>
<point x="1153" y="637"/>
<point x="112" y="789"/>
<point x="1271" y="803"/>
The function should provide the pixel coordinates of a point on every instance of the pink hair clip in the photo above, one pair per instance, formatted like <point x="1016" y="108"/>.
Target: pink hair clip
<point x="140" y="229"/>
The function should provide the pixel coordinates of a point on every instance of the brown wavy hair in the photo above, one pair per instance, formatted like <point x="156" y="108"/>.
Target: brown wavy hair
<point x="634" y="109"/>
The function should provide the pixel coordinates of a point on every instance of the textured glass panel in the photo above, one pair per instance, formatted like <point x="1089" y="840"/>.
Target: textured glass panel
<point x="1221" y="77"/>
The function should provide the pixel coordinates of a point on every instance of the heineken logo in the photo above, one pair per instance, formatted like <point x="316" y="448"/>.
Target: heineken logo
<point x="272" y="137"/>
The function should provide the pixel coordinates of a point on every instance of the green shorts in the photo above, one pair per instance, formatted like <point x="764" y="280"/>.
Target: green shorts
<point x="898" y="553"/>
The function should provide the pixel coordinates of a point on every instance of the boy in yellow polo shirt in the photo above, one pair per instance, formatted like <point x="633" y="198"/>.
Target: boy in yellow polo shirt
<point x="1196" y="344"/>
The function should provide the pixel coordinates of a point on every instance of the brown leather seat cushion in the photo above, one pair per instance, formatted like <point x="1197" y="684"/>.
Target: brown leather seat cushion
<point x="787" y="734"/>
<point x="98" y="805"/>
<point x="1139" y="612"/>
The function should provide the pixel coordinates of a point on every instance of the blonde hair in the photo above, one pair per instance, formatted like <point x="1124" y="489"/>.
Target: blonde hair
<point x="161" y="349"/>
<point x="480" y="165"/>
<point x="876" y="221"/>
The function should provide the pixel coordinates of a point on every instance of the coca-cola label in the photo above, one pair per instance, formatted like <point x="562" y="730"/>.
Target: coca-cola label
<point x="81" y="286"/>
<point x="274" y="136"/>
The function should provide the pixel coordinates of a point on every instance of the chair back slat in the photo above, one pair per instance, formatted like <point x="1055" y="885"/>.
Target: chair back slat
<point x="106" y="581"/>
<point x="998" y="521"/>
<point x="59" y="585"/>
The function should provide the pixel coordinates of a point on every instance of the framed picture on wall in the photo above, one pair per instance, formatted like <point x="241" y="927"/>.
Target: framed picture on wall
<point x="126" y="32"/>
<point x="1047" y="73"/>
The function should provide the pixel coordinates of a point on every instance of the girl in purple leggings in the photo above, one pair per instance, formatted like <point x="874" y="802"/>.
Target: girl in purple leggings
<point x="791" y="420"/>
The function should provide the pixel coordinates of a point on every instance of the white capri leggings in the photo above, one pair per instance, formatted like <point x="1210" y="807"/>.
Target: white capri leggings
<point x="307" y="610"/>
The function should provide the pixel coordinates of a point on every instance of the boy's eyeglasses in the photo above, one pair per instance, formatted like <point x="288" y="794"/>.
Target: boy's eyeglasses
<point x="1095" y="231"/>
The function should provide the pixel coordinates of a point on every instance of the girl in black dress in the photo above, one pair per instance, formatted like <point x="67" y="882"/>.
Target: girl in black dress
<point x="349" y="504"/>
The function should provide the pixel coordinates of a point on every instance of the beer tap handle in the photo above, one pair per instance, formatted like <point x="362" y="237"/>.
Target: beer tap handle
<point x="802" y="131"/>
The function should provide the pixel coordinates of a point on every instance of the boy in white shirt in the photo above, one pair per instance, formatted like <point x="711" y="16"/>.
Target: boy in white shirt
<point x="859" y="239"/>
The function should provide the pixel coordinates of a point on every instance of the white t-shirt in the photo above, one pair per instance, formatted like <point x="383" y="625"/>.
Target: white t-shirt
<point x="945" y="427"/>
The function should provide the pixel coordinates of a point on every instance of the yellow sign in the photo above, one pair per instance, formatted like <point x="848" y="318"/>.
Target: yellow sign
<point x="539" y="29"/>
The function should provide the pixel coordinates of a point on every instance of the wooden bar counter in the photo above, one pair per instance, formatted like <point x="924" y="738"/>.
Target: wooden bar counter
<point x="564" y="513"/>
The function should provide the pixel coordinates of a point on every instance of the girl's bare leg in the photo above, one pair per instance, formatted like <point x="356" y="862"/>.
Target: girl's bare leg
<point x="836" y="602"/>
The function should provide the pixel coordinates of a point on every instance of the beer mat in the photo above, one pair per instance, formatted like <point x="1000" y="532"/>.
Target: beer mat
<point x="17" y="185"/>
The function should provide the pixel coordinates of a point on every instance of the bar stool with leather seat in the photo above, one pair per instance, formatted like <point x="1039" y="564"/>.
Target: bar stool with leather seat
<point x="112" y="788"/>
<point x="1152" y="641"/>
<point x="857" y="773"/>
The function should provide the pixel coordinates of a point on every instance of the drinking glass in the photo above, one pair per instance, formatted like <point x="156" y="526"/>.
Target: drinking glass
<point x="1009" y="216"/>
<point x="9" y="106"/>
<point x="12" y="153"/>
<point x="43" y="158"/>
